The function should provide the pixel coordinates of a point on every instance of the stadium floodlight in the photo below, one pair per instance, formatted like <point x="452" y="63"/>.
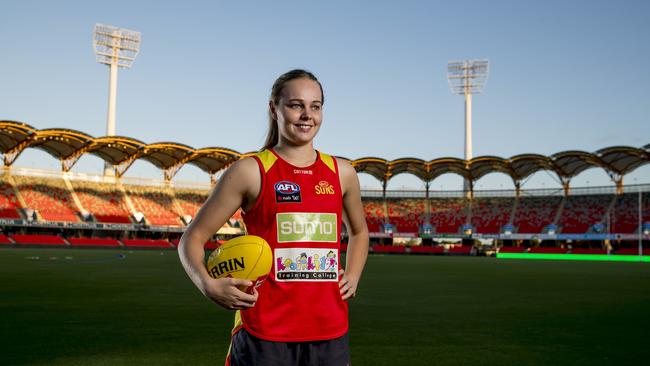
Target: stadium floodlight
<point x="467" y="77"/>
<point x="114" y="47"/>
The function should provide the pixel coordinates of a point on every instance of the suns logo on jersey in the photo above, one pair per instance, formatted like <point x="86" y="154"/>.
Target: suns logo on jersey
<point x="324" y="187"/>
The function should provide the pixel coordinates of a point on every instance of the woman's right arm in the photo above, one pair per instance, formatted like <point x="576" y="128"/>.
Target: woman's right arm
<point x="238" y="187"/>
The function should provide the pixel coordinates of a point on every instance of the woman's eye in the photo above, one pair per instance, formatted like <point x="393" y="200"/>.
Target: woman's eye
<point x="315" y="107"/>
<point x="295" y="106"/>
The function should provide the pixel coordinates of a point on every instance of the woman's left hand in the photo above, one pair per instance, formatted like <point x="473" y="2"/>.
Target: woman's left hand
<point x="347" y="285"/>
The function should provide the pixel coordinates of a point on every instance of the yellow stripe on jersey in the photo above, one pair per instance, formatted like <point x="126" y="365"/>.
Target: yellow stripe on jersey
<point x="267" y="158"/>
<point x="238" y="321"/>
<point x="328" y="160"/>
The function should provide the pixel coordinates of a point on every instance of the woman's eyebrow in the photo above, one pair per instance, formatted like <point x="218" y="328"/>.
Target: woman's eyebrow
<point x="302" y="100"/>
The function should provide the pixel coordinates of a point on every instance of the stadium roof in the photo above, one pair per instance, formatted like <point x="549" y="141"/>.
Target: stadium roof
<point x="68" y="145"/>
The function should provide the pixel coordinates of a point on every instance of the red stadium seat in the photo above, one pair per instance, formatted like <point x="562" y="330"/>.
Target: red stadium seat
<point x="94" y="242"/>
<point x="512" y="249"/>
<point x="104" y="200"/>
<point x="582" y="212"/>
<point x="9" y="204"/>
<point x="460" y="250"/>
<point x="388" y="249"/>
<point x="535" y="213"/>
<point x="156" y="203"/>
<point x="5" y="239"/>
<point x="29" y="239"/>
<point x="546" y="250"/>
<point x="448" y="214"/>
<point x="49" y="197"/>
<point x="489" y="214"/>
<point x="146" y="243"/>
<point x="427" y="250"/>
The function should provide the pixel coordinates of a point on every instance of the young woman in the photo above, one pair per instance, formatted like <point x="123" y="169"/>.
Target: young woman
<point x="296" y="198"/>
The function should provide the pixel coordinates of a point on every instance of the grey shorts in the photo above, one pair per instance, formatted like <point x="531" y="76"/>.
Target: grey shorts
<point x="247" y="350"/>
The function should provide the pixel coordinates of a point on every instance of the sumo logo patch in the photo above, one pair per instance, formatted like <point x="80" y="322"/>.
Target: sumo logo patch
<point x="306" y="264"/>
<point x="286" y="191"/>
<point x="324" y="187"/>
<point x="294" y="227"/>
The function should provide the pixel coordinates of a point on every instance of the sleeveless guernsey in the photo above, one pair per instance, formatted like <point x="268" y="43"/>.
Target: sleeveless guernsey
<point x="298" y="212"/>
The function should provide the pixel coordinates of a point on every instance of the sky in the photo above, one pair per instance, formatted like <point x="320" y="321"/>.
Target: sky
<point x="564" y="75"/>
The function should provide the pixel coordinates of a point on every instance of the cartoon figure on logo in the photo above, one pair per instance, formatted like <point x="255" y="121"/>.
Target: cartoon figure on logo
<point x="323" y="263"/>
<point x="310" y="264"/>
<point x="289" y="263"/>
<point x="317" y="265"/>
<point x="280" y="267"/>
<point x="331" y="262"/>
<point x="302" y="261"/>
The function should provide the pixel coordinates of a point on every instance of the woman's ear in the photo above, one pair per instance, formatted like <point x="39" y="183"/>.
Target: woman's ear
<point x="272" y="110"/>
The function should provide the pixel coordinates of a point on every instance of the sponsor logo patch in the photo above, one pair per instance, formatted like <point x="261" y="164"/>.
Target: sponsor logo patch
<point x="324" y="187"/>
<point x="286" y="191"/>
<point x="306" y="264"/>
<point x="307" y="227"/>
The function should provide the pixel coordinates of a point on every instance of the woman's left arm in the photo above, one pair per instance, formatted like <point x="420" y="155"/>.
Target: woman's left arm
<point x="355" y="221"/>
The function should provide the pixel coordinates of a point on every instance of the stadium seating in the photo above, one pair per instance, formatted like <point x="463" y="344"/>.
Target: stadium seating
<point x="208" y="244"/>
<point x="625" y="215"/>
<point x="548" y="250"/>
<point x="375" y="215"/>
<point x="633" y="251"/>
<point x="31" y="239"/>
<point x="491" y="213"/>
<point x="512" y="250"/>
<point x="9" y="204"/>
<point x="385" y="249"/>
<point x="94" y="242"/>
<point x="588" y="251"/>
<point x="427" y="250"/>
<point x="104" y="200"/>
<point x="146" y="243"/>
<point x="406" y="214"/>
<point x="460" y="250"/>
<point x="534" y="213"/>
<point x="155" y="203"/>
<point x="448" y="214"/>
<point x="190" y="200"/>
<point x="582" y="212"/>
<point x="48" y="196"/>
<point x="5" y="239"/>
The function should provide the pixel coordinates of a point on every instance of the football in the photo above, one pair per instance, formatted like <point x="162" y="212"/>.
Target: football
<point x="246" y="257"/>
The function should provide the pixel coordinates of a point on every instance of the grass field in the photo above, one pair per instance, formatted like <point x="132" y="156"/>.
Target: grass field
<point x="108" y="307"/>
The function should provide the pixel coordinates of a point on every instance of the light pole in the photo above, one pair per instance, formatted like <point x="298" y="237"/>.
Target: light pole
<point x="465" y="78"/>
<point x="114" y="47"/>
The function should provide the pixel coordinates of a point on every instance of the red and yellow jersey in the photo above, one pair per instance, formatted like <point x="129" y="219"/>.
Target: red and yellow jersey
<point x="298" y="212"/>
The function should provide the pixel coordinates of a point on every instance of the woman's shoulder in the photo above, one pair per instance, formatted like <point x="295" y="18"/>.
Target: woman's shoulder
<point x="345" y="166"/>
<point x="244" y="167"/>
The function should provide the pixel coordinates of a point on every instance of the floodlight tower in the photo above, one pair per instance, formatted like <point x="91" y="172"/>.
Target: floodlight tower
<point x="467" y="77"/>
<point x="114" y="47"/>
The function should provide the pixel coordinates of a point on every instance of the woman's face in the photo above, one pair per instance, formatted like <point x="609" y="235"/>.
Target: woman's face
<point x="299" y="111"/>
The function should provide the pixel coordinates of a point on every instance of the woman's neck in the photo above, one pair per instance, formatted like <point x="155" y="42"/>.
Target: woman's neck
<point x="303" y="155"/>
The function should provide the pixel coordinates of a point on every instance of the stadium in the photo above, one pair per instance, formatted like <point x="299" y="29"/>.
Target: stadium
<point x="65" y="209"/>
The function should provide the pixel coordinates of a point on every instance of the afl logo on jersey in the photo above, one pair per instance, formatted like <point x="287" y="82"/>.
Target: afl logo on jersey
<point x="286" y="191"/>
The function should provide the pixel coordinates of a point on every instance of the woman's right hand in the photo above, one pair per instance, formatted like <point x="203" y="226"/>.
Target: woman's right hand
<point x="226" y="293"/>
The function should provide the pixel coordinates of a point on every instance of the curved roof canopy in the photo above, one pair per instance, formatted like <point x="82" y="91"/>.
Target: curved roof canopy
<point x="120" y="151"/>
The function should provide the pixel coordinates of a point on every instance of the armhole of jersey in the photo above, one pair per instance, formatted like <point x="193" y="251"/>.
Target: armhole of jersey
<point x="260" y="166"/>
<point x="334" y="166"/>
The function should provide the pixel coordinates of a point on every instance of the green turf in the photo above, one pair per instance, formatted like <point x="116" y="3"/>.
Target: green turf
<point x="98" y="309"/>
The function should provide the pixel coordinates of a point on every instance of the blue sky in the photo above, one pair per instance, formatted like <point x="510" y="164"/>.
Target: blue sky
<point x="564" y="75"/>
